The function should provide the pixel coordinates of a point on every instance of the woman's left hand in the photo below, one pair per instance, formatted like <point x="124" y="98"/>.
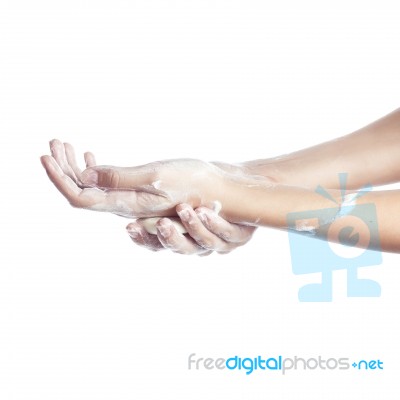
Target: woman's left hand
<point x="207" y="232"/>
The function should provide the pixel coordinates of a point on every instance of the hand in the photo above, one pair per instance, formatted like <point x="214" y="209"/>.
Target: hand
<point x="207" y="232"/>
<point x="149" y="190"/>
<point x="63" y="169"/>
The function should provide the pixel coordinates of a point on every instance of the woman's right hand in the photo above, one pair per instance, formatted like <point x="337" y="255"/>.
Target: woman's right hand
<point x="206" y="231"/>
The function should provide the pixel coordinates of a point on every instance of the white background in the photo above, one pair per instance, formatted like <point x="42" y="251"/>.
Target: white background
<point x="85" y="314"/>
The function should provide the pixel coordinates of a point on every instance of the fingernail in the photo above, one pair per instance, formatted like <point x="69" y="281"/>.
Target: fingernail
<point x="90" y="177"/>
<point x="133" y="232"/>
<point x="164" y="228"/>
<point x="184" y="214"/>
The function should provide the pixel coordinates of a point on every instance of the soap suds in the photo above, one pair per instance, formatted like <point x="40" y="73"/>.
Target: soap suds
<point x="349" y="202"/>
<point x="217" y="206"/>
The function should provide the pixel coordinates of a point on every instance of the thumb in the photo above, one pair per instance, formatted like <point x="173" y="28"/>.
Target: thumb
<point x="109" y="177"/>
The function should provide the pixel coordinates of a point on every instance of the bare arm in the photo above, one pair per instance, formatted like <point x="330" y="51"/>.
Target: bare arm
<point x="250" y="200"/>
<point x="270" y="206"/>
<point x="369" y="155"/>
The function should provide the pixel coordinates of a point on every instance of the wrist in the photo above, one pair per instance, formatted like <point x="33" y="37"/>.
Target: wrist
<point x="239" y="197"/>
<point x="269" y="168"/>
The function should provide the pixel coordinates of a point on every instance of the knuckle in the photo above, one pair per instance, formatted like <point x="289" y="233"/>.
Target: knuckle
<point x="172" y="242"/>
<point x="247" y="234"/>
<point x="113" y="178"/>
<point x="169" y="243"/>
<point x="156" y="170"/>
<point x="177" y="245"/>
<point x="153" y="249"/>
<point x="183" y="252"/>
<point x="204" y="253"/>
<point x="211" y="224"/>
<point x="206" y="243"/>
<point x="137" y="240"/>
<point x="195" y="228"/>
<point x="180" y="249"/>
<point x="75" y="203"/>
<point x="226" y="235"/>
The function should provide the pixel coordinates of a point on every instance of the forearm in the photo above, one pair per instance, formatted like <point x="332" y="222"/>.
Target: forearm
<point x="270" y="206"/>
<point x="369" y="156"/>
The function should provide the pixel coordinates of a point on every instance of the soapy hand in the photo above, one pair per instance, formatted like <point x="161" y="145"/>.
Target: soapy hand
<point x="207" y="232"/>
<point x="153" y="189"/>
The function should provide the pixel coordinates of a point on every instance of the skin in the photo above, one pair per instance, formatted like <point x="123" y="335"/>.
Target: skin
<point x="369" y="155"/>
<point x="255" y="193"/>
<point x="207" y="232"/>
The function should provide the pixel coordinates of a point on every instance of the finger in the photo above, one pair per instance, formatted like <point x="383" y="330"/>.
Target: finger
<point x="109" y="177"/>
<point x="71" y="159"/>
<point x="142" y="238"/>
<point x="62" y="182"/>
<point x="126" y="203"/>
<point x="90" y="160"/>
<point x="230" y="232"/>
<point x="175" y="241"/>
<point x="198" y="231"/>
<point x="58" y="153"/>
<point x="207" y="253"/>
<point x="87" y="198"/>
